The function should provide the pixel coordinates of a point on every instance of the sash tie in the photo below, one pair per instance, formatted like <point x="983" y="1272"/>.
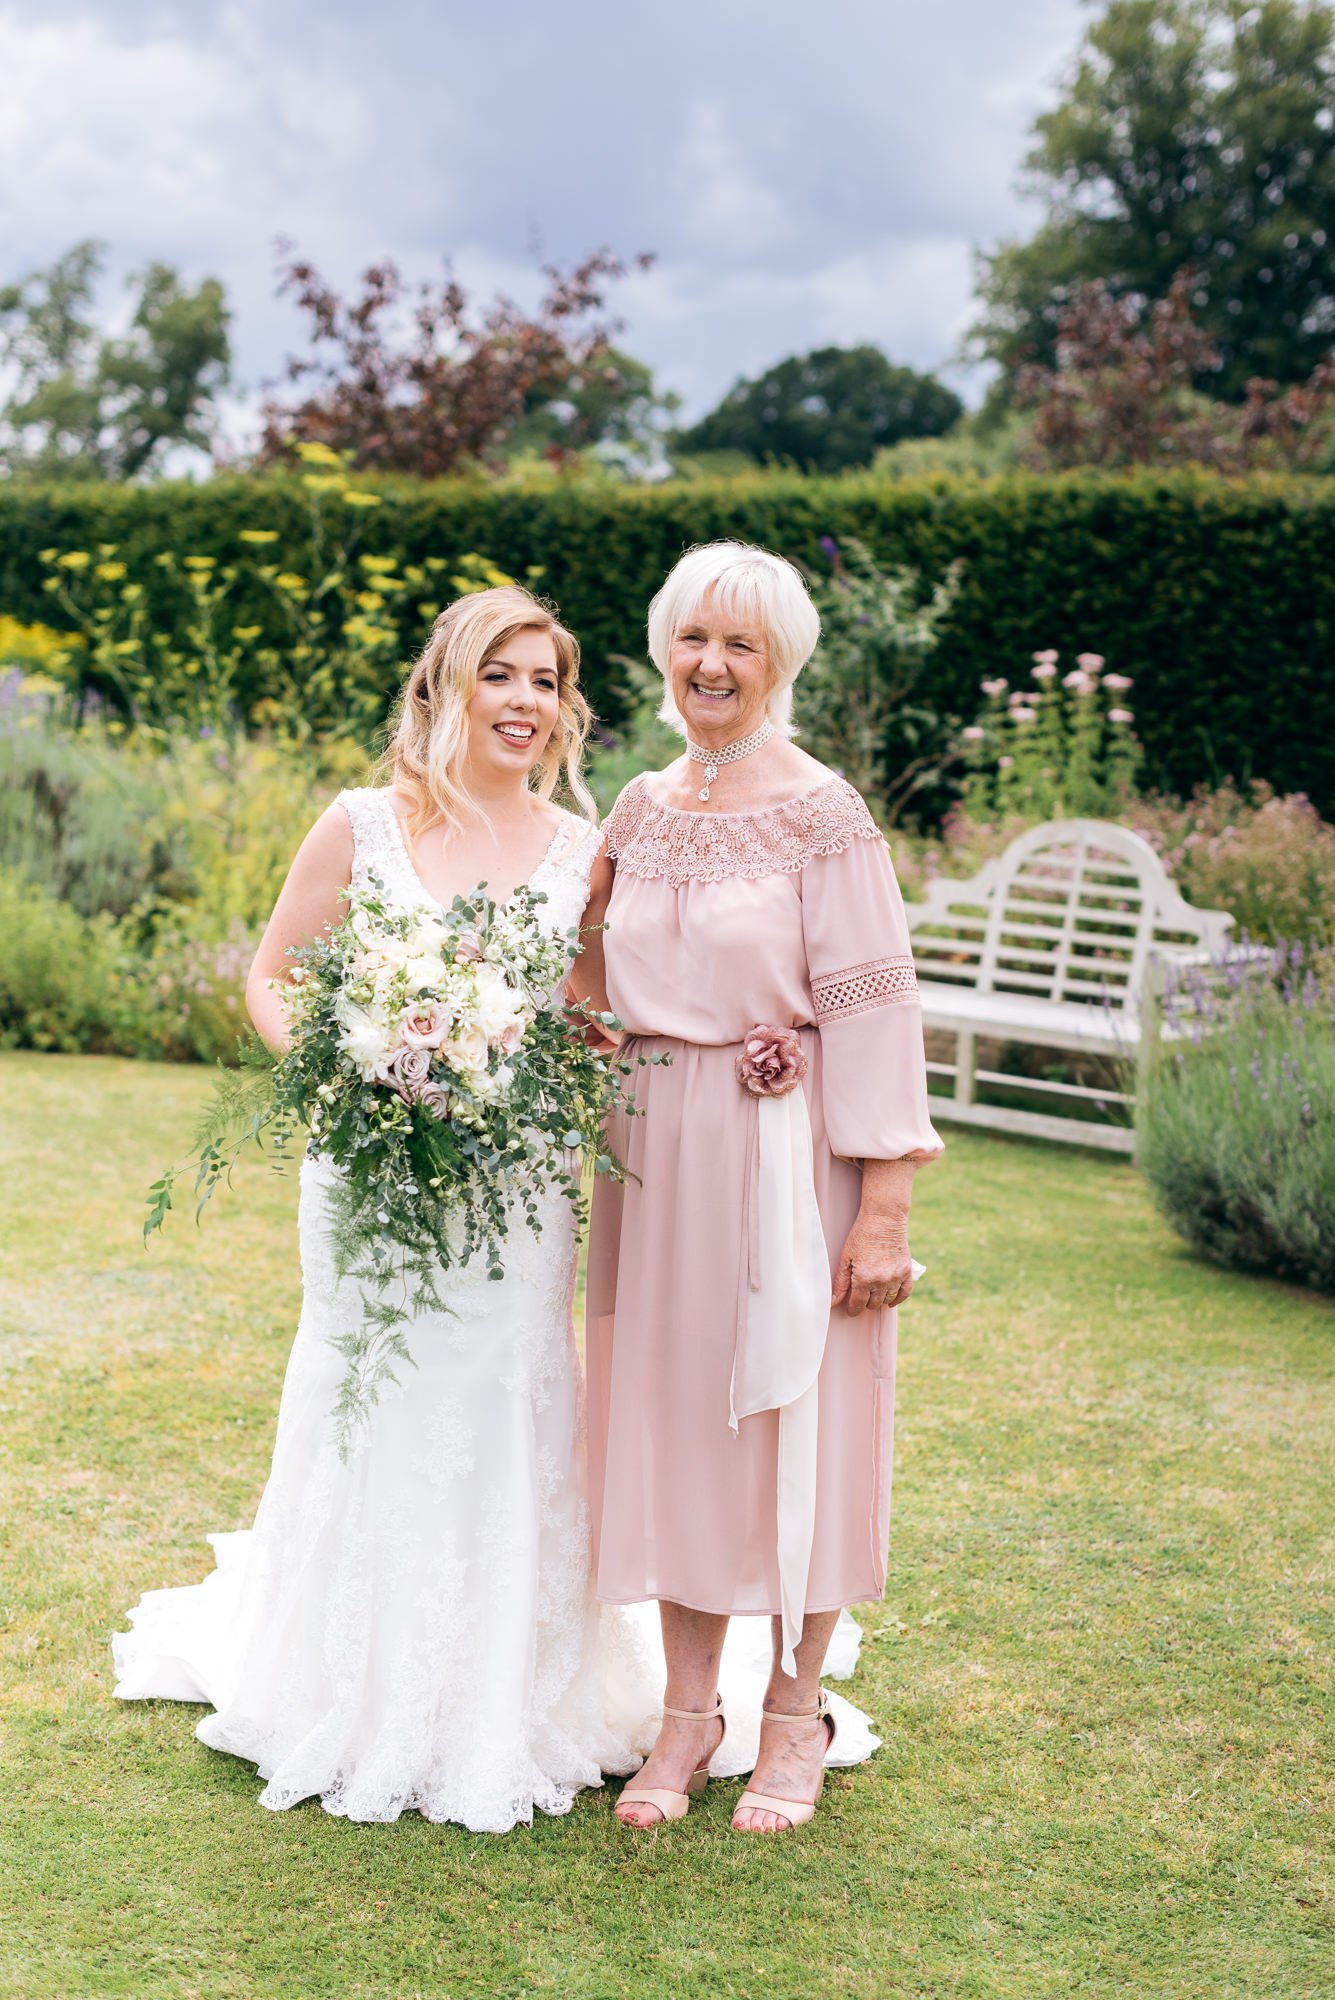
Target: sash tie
<point x="776" y="1364"/>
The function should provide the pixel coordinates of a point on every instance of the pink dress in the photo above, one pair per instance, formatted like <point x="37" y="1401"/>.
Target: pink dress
<point x="717" y="922"/>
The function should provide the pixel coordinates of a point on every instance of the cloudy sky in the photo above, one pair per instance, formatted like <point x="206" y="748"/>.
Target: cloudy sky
<point x="804" y="173"/>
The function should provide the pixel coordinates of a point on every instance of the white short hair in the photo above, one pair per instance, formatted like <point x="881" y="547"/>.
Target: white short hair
<point x="748" y="583"/>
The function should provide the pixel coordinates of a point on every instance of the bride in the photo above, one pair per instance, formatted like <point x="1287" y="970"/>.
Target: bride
<point x="415" y="1627"/>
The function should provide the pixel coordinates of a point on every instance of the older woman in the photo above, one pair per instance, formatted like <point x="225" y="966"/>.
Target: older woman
<point x="743" y="1283"/>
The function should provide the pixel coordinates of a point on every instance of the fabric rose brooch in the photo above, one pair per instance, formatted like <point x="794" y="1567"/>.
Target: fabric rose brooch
<point x="772" y="1061"/>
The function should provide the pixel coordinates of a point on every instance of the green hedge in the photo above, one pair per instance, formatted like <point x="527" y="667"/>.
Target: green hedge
<point x="1217" y="596"/>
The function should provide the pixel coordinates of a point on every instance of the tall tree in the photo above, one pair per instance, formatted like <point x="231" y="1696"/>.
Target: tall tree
<point x="85" y="405"/>
<point x="826" y="410"/>
<point x="1190" y="133"/>
<point x="457" y="386"/>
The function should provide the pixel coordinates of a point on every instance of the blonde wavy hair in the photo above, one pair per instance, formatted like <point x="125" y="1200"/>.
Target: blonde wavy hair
<point x="428" y="733"/>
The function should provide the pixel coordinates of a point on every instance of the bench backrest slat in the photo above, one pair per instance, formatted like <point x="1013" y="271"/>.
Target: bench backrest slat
<point x="1073" y="910"/>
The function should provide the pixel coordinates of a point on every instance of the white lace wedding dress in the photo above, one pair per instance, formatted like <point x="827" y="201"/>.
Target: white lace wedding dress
<point x="416" y="1627"/>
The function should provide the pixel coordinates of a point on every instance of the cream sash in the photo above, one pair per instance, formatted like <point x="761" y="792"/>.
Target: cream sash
<point x="787" y="1320"/>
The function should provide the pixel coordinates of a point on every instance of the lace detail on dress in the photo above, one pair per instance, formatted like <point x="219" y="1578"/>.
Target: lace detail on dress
<point x="377" y="845"/>
<point x="861" y="989"/>
<point x="658" y="842"/>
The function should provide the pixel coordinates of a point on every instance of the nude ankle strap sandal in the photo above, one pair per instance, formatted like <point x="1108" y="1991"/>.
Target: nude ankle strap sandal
<point x="676" y="1805"/>
<point x="797" y="1812"/>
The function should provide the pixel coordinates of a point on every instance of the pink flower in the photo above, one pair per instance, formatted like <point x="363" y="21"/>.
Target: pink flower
<point x="436" y="1100"/>
<point x="1091" y="662"/>
<point x="1120" y="715"/>
<point x="1024" y="715"/>
<point x="511" y="1035"/>
<point x="467" y="948"/>
<point x="974" y="734"/>
<point x="1005" y="763"/>
<point x="1048" y="658"/>
<point x="1119" y="683"/>
<point x="1045" y="670"/>
<point x="1079" y="683"/>
<point x="772" y="1061"/>
<point x="409" y="1071"/>
<point x="425" y="1024"/>
<point x="994" y="688"/>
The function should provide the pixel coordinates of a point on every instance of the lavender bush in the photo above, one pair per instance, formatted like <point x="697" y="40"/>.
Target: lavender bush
<point x="1236" y="1119"/>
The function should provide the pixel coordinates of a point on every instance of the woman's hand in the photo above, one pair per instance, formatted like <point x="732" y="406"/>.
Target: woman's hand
<point x="875" y="1269"/>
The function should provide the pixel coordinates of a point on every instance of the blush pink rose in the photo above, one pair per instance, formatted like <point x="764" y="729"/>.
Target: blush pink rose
<point x="436" y="1100"/>
<point x="408" y="1072"/>
<point x="772" y="1061"/>
<point x="425" y="1024"/>
<point x="511" y="1035"/>
<point x="467" y="948"/>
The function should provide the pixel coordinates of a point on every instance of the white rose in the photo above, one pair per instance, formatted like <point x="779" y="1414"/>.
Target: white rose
<point x="368" y="1041"/>
<point x="499" y="1006"/>
<point x="467" y="1049"/>
<point x="425" y="970"/>
<point x="427" y="936"/>
<point x="492" y="1088"/>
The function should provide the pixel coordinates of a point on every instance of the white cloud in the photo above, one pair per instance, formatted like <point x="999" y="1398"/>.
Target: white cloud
<point x="725" y="203"/>
<point x="803" y="179"/>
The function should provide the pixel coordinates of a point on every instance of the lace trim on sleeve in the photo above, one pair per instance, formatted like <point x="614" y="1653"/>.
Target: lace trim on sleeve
<point x="659" y="843"/>
<point x="861" y="989"/>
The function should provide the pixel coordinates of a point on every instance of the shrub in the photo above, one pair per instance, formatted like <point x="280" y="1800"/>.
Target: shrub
<point x="1268" y="860"/>
<point x="1061" y="750"/>
<point x="1212" y="593"/>
<point x="861" y="705"/>
<point x="60" y="975"/>
<point x="110" y="820"/>
<point x="1236" y="1120"/>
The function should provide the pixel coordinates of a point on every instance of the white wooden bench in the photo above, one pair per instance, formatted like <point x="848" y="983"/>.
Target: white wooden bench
<point x="1061" y="942"/>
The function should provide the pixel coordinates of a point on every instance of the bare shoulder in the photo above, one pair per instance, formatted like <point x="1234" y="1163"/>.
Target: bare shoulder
<point x="328" y="847"/>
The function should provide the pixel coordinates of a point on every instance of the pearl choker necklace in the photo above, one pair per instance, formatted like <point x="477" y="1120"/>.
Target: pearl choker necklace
<point x="711" y="759"/>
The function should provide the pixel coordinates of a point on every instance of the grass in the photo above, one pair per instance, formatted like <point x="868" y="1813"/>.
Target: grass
<point x="1102" y="1670"/>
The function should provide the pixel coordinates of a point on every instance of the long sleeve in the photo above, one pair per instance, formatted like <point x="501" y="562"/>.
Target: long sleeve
<point x="866" y="1006"/>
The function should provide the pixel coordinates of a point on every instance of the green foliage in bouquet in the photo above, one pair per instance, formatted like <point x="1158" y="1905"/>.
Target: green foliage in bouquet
<point x="427" y="1065"/>
<point x="1236" y="1118"/>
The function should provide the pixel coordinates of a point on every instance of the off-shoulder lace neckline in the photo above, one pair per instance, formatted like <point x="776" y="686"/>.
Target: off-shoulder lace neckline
<point x="673" y="844"/>
<point x="755" y="812"/>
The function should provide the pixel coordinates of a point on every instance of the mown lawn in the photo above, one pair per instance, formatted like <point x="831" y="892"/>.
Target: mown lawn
<point x="1103" y="1668"/>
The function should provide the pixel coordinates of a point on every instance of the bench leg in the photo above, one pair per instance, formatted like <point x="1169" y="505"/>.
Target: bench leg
<point x="964" y="1067"/>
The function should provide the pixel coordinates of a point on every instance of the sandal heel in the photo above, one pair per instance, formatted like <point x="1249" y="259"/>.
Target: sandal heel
<point x="671" y="1806"/>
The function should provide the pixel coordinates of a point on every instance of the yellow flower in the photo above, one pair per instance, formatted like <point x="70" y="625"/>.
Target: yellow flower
<point x="289" y="582"/>
<point x="259" y="534"/>
<point x="248" y="632"/>
<point x="361" y="499"/>
<point x="378" y="565"/>
<point x="200" y="562"/>
<point x="323" y="482"/>
<point x="110" y="572"/>
<point x="76" y="559"/>
<point x="318" y="454"/>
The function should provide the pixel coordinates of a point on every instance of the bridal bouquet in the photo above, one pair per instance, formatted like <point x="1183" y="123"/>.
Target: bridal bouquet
<point x="427" y="1064"/>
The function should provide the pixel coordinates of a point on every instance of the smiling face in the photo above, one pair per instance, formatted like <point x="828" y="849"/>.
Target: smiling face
<point x="515" y="707"/>
<point x="720" y="674"/>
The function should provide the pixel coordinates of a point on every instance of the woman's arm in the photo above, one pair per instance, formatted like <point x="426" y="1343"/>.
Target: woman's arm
<point x="310" y="901"/>
<point x="875" y="1269"/>
<point x="587" y="984"/>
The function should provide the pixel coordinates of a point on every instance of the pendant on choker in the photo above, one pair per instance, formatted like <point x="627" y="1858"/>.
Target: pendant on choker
<point x="731" y="752"/>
